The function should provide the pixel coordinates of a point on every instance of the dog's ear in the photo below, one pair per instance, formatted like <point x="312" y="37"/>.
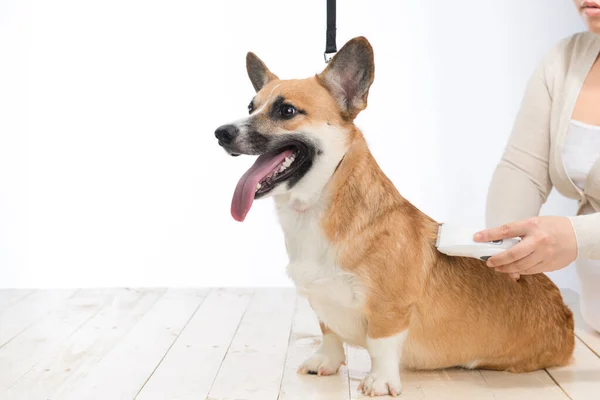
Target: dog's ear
<point x="349" y="76"/>
<point x="258" y="72"/>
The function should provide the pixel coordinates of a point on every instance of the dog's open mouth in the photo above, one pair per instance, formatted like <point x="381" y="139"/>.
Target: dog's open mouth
<point x="269" y="170"/>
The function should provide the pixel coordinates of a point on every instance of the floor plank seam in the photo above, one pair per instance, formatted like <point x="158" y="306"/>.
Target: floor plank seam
<point x="586" y="345"/>
<point x="558" y="384"/>
<point x="66" y="339"/>
<point x="486" y="383"/>
<point x="229" y="346"/>
<point x="22" y="330"/>
<point x="287" y="351"/>
<point x="172" y="344"/>
<point x="37" y="320"/>
<point x="124" y="335"/>
<point x="346" y="359"/>
<point x="483" y="377"/>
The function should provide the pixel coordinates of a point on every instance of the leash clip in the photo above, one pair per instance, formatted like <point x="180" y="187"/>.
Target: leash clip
<point x="328" y="57"/>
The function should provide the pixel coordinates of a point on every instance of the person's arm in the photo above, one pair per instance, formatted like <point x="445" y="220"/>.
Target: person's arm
<point x="520" y="186"/>
<point x="521" y="181"/>
<point x="587" y="233"/>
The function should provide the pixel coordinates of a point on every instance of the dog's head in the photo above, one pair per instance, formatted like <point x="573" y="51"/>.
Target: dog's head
<point x="300" y="129"/>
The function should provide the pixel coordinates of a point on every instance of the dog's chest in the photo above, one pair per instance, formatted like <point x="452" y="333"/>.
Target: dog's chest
<point x="337" y="296"/>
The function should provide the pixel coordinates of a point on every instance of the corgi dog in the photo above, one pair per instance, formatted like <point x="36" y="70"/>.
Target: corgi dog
<point x="365" y="257"/>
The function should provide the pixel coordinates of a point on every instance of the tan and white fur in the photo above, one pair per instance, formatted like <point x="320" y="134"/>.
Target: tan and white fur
<point x="365" y="257"/>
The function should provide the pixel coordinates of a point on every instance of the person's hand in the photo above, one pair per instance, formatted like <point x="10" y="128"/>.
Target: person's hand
<point x="548" y="244"/>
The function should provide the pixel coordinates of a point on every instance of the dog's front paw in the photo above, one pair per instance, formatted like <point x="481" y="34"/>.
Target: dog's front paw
<point x="321" y="364"/>
<point x="379" y="385"/>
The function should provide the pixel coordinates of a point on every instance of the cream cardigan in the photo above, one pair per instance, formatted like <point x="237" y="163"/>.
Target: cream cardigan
<point x="532" y="162"/>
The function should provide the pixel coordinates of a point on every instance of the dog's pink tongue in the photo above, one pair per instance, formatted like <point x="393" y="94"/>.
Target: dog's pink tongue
<point x="246" y="187"/>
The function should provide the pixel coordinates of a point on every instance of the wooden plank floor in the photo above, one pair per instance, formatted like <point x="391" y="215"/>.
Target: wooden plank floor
<point x="180" y="344"/>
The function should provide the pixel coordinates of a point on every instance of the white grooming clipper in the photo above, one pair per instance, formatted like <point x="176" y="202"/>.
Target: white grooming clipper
<point x="456" y="240"/>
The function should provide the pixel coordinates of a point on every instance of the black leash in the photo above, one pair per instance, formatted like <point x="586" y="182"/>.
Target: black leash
<point x="330" y="46"/>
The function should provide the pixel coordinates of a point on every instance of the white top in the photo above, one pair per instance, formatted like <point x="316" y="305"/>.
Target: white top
<point x="581" y="150"/>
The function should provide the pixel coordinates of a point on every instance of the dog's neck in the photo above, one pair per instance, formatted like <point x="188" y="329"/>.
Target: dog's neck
<point x="351" y="183"/>
<point x="360" y="193"/>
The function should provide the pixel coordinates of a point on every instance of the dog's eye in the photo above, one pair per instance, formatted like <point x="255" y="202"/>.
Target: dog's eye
<point x="287" y="111"/>
<point x="250" y="108"/>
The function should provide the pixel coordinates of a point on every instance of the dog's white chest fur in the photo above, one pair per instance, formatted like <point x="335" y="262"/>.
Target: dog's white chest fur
<point x="336" y="296"/>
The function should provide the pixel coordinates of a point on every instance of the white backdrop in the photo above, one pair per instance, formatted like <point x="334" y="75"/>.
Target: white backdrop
<point x="109" y="171"/>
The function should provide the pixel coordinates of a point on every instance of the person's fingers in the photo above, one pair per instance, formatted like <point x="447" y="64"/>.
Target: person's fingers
<point x="516" y="276"/>
<point x="515" y="253"/>
<point x="506" y="231"/>
<point x="536" y="269"/>
<point x="522" y="264"/>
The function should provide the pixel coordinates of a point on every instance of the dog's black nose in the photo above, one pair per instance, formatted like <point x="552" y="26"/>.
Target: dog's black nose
<point x="226" y="133"/>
